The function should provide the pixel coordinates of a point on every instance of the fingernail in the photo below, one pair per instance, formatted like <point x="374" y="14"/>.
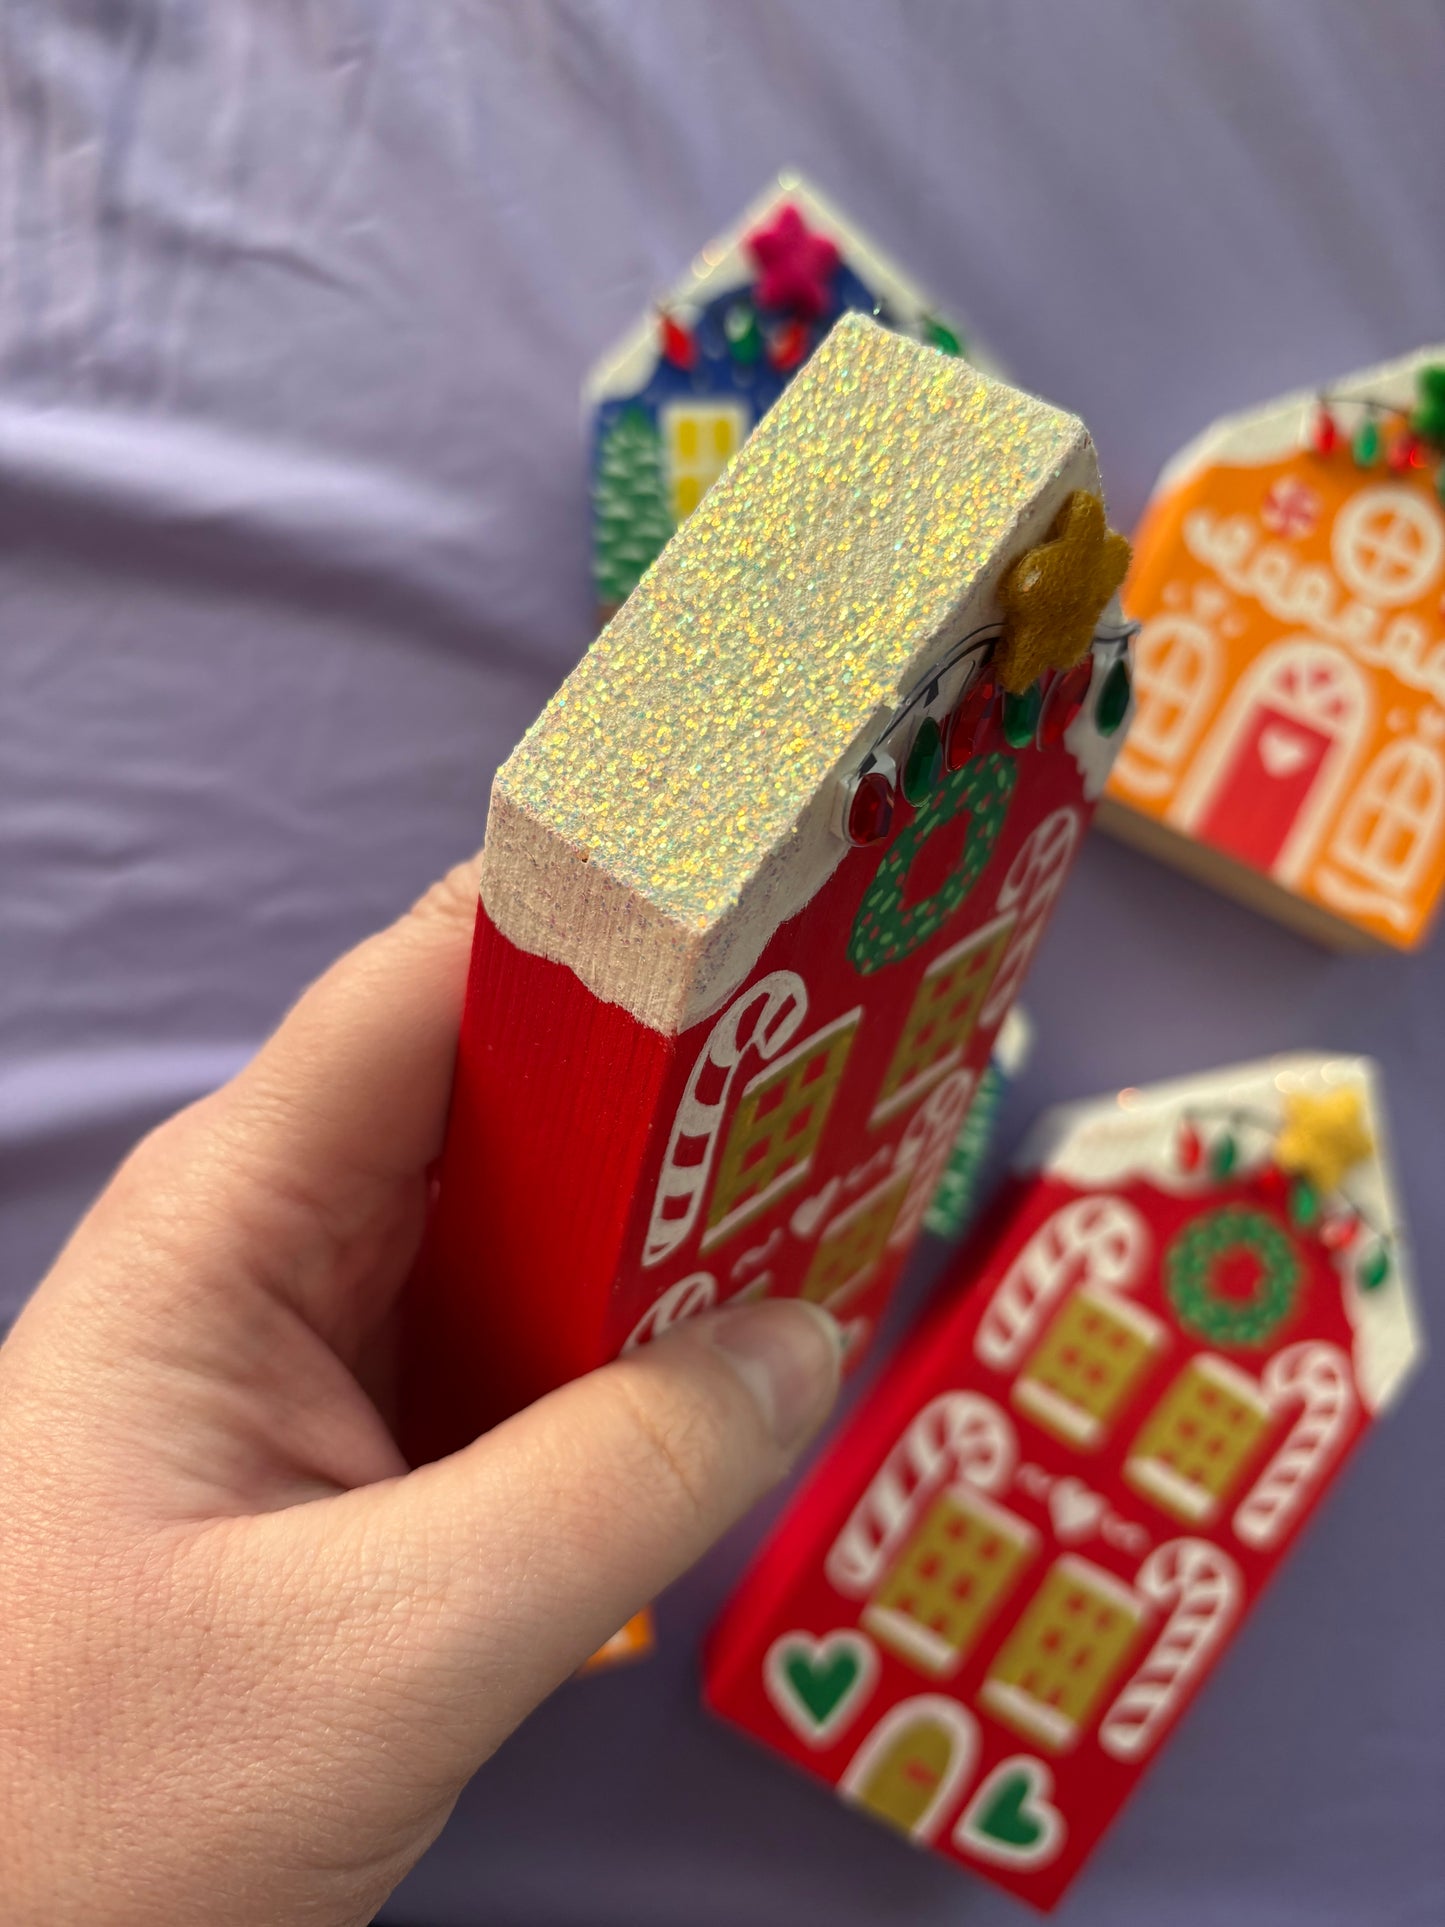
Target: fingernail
<point x="788" y="1355"/>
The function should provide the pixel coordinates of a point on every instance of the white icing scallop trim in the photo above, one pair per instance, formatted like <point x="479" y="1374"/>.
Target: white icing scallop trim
<point x="1106" y="1141"/>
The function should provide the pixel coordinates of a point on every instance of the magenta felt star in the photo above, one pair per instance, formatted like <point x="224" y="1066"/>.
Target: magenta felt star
<point x="795" y="266"/>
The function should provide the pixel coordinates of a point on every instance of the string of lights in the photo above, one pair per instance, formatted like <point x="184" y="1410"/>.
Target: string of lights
<point x="1407" y="439"/>
<point x="1337" y="1218"/>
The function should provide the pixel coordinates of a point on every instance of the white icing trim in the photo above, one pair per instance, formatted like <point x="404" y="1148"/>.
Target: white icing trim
<point x="725" y="263"/>
<point x="1014" y="1043"/>
<point x="958" y="1435"/>
<point x="1317" y="1376"/>
<point x="1201" y="1586"/>
<point x="1094" y="754"/>
<point x="1103" y="1236"/>
<point x="778" y="1003"/>
<point x="1260" y="435"/>
<point x="688" y="1298"/>
<point x="1106" y="1141"/>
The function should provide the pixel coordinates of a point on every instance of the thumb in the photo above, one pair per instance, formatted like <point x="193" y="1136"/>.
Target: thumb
<point x="539" y="1540"/>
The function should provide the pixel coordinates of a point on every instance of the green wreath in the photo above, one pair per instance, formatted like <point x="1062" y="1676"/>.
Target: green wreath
<point x="886" y="928"/>
<point x="1190" y="1266"/>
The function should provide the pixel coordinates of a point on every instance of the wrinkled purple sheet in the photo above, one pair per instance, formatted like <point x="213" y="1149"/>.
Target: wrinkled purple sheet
<point x="294" y="304"/>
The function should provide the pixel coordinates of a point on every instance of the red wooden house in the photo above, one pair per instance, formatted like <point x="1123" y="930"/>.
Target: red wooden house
<point x="1008" y="1578"/>
<point x="762" y="882"/>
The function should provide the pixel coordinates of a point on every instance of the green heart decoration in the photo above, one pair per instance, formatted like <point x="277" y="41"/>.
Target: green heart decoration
<point x="1011" y="1820"/>
<point x="818" y="1683"/>
<point x="822" y="1687"/>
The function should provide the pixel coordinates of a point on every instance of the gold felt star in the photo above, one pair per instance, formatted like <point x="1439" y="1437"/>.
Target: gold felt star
<point x="1055" y="593"/>
<point x="1323" y="1137"/>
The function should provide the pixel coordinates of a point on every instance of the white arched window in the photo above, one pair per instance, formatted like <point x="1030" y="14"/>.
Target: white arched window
<point x="1393" y="818"/>
<point x="1388" y="544"/>
<point x="1176" y="669"/>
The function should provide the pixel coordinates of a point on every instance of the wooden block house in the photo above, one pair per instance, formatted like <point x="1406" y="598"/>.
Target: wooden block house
<point x="1289" y="576"/>
<point x="1010" y="1575"/>
<point x="762" y="882"/>
<point x="671" y="403"/>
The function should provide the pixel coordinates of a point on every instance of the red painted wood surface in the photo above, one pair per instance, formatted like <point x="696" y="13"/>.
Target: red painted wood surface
<point x="558" y="1233"/>
<point x="551" y="1111"/>
<point x="1079" y="1516"/>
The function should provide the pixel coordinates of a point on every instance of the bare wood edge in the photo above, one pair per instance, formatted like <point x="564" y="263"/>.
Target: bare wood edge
<point x="1234" y="880"/>
<point x="547" y="897"/>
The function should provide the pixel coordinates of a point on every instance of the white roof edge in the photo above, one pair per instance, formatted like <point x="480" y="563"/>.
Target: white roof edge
<point x="723" y="261"/>
<point x="1100" y="1141"/>
<point x="1275" y="429"/>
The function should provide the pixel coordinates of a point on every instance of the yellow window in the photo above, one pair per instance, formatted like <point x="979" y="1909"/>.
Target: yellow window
<point x="1058" y="1662"/>
<point x="776" y="1127"/>
<point x="948" y="1580"/>
<point x="700" y="438"/>
<point x="1197" y="1443"/>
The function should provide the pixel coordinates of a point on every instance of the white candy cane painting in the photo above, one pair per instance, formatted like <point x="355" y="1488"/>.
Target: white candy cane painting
<point x="1002" y="1589"/>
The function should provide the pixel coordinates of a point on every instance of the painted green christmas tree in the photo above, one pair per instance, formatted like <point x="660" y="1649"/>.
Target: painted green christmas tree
<point x="633" y="522"/>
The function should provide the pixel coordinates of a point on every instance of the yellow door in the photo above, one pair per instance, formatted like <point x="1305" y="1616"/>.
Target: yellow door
<point x="903" y="1783"/>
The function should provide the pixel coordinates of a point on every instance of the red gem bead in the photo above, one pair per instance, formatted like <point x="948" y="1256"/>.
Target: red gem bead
<point x="1272" y="1183"/>
<point x="679" y="345"/>
<point x="969" y="726"/>
<point x="1191" y="1148"/>
<point x="788" y="346"/>
<point x="1324" y="433"/>
<point x="1066" y="697"/>
<point x="1339" y="1233"/>
<point x="1404" y="454"/>
<point x="870" y="812"/>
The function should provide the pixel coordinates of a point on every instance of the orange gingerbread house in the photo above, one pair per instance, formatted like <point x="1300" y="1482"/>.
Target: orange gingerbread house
<point x="1289" y="741"/>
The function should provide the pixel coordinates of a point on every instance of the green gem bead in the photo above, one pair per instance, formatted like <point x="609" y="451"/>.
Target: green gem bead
<point x="1366" y="448"/>
<point x="925" y="762"/>
<point x="1224" y="1156"/>
<point x="1113" y="704"/>
<point x="1375" y="1269"/>
<point x="744" y="336"/>
<point x="1304" y="1203"/>
<point x="939" y="335"/>
<point x="1428" y="420"/>
<point x="1021" y="717"/>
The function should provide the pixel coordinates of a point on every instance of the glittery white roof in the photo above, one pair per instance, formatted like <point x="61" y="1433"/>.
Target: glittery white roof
<point x="671" y="806"/>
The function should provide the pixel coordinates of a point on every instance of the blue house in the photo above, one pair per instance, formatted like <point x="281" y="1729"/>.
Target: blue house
<point x="675" y="400"/>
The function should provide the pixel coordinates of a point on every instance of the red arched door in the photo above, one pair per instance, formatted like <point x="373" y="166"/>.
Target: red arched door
<point x="1285" y="742"/>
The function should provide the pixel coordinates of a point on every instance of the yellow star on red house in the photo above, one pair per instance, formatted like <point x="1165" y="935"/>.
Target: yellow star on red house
<point x="1323" y="1137"/>
<point x="1055" y="593"/>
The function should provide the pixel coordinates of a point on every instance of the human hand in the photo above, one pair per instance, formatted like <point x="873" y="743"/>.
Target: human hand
<point x="247" y="1659"/>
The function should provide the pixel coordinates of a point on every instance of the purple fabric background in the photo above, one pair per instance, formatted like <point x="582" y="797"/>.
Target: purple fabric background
<point x="294" y="305"/>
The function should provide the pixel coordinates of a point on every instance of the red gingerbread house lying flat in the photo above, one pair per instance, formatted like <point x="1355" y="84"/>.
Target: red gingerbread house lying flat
<point x="762" y="882"/>
<point x="1009" y="1577"/>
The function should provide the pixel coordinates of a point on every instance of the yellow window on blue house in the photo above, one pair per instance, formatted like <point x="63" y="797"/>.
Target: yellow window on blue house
<point x="701" y="438"/>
